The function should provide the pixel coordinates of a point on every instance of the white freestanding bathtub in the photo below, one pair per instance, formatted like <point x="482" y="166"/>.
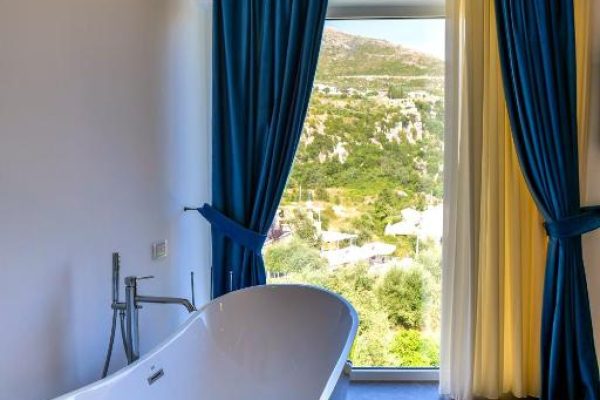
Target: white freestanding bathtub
<point x="273" y="342"/>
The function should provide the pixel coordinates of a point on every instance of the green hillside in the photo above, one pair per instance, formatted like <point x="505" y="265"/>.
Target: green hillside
<point x="372" y="146"/>
<point x="360" y="147"/>
<point x="343" y="54"/>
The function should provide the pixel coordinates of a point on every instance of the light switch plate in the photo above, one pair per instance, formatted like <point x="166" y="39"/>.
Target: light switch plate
<point x="159" y="250"/>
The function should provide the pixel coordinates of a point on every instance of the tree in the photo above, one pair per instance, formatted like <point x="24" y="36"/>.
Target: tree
<point x="357" y="286"/>
<point x="304" y="228"/>
<point x="385" y="207"/>
<point x="294" y="256"/>
<point x="430" y="260"/>
<point x="364" y="226"/>
<point x="412" y="349"/>
<point x="321" y="194"/>
<point x="402" y="294"/>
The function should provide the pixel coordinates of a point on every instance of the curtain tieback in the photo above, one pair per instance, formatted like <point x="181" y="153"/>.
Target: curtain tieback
<point x="243" y="236"/>
<point x="587" y="220"/>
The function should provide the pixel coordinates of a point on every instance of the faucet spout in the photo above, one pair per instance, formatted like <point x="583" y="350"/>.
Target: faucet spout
<point x="166" y="300"/>
<point x="130" y="310"/>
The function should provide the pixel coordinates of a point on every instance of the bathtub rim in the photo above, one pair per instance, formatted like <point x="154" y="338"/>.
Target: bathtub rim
<point x="181" y="329"/>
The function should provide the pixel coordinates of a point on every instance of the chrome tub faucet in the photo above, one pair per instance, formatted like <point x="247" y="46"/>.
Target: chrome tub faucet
<point x="129" y="309"/>
<point x="132" y="306"/>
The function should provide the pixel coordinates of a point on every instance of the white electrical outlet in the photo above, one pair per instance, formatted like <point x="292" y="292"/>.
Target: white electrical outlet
<point x="159" y="250"/>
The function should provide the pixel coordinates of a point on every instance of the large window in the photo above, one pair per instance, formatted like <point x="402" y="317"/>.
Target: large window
<point x="362" y="210"/>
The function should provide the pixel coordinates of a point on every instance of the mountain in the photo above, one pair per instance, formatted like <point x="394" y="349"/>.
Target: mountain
<point x="370" y="155"/>
<point x="343" y="55"/>
<point x="375" y="121"/>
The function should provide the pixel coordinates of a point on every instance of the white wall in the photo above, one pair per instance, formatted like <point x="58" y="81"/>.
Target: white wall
<point x="103" y="138"/>
<point x="187" y="68"/>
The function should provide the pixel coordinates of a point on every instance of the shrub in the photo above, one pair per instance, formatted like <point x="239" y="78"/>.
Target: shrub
<point x="402" y="293"/>
<point x="374" y="335"/>
<point x="321" y="194"/>
<point x="304" y="228"/>
<point x="412" y="349"/>
<point x="294" y="256"/>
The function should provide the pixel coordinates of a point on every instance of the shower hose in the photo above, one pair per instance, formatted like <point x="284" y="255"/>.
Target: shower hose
<point x="111" y="341"/>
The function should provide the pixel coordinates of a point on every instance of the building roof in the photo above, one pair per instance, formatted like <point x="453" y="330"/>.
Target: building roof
<point x="334" y="236"/>
<point x="353" y="254"/>
<point x="424" y="224"/>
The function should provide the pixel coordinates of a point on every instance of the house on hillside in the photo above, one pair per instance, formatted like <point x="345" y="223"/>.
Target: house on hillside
<point x="426" y="224"/>
<point x="334" y="240"/>
<point x="374" y="253"/>
<point x="326" y="89"/>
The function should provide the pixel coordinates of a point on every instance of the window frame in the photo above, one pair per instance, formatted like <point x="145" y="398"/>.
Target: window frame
<point x="385" y="12"/>
<point x="366" y="12"/>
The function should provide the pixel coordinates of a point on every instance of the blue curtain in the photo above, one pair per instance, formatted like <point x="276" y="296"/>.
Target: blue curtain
<point x="265" y="55"/>
<point x="537" y="52"/>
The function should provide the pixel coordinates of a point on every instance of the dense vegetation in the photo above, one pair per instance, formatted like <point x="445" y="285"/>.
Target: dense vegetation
<point x="394" y="309"/>
<point x="370" y="148"/>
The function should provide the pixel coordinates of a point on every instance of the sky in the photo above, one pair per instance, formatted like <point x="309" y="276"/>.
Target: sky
<point x="425" y="35"/>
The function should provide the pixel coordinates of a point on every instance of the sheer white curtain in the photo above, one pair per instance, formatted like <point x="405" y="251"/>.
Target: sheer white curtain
<point x="462" y="168"/>
<point x="493" y="260"/>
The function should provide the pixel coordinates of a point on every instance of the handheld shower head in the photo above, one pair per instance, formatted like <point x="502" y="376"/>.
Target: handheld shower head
<point x="116" y="266"/>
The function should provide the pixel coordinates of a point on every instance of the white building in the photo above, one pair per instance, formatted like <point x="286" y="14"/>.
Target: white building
<point x="426" y="224"/>
<point x="326" y="89"/>
<point x="371" y="252"/>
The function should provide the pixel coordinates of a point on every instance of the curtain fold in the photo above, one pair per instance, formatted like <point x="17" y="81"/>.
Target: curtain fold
<point x="583" y="43"/>
<point x="506" y="298"/>
<point x="512" y="245"/>
<point x="462" y="169"/>
<point x="538" y="59"/>
<point x="512" y="238"/>
<point x="265" y="54"/>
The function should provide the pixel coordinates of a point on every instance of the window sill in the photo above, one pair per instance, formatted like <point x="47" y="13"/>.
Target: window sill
<point x="362" y="374"/>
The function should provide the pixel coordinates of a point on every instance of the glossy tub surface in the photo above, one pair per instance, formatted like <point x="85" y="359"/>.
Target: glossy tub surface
<point x="269" y="342"/>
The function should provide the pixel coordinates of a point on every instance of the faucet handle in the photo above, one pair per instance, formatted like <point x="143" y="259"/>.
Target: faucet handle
<point x="132" y="280"/>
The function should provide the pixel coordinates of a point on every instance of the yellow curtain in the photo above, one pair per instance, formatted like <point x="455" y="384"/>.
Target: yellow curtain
<point x="512" y="240"/>
<point x="583" y="37"/>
